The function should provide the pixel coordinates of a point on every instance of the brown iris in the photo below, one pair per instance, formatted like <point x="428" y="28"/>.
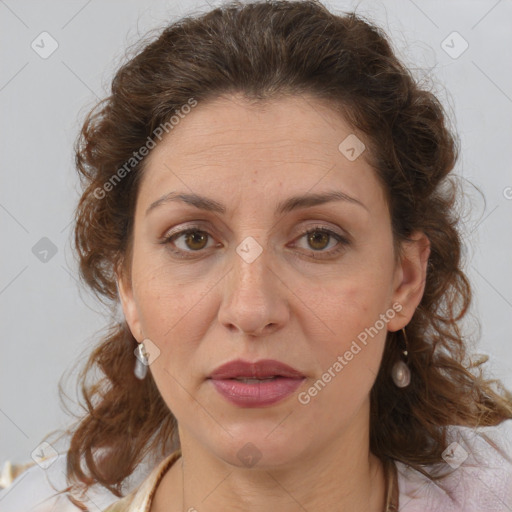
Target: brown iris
<point x="196" y="236"/>
<point x="318" y="236"/>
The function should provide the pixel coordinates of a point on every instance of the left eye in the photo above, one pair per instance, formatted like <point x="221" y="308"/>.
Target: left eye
<point x="318" y="239"/>
<point x="196" y="239"/>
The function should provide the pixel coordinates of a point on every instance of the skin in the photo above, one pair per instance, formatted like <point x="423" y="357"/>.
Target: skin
<point x="289" y="304"/>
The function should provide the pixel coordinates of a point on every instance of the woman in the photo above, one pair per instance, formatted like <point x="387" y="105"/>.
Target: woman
<point x="267" y="195"/>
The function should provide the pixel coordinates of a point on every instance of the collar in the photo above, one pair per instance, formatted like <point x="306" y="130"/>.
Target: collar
<point x="140" y="499"/>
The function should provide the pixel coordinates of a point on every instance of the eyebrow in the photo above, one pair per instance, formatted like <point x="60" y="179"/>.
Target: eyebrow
<point x="288" y="205"/>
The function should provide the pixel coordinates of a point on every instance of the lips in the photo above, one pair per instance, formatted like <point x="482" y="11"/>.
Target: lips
<point x="259" y="384"/>
<point x="264" y="369"/>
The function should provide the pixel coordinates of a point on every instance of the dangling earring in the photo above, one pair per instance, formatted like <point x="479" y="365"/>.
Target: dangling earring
<point x="141" y="361"/>
<point x="400" y="373"/>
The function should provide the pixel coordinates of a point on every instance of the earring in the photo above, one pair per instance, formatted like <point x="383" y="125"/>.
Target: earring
<point x="141" y="361"/>
<point x="400" y="372"/>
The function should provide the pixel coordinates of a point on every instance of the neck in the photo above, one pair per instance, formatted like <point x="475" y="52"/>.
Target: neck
<point x="344" y="477"/>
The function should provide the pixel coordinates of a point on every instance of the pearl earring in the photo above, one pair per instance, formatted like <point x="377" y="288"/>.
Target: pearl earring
<point x="141" y="361"/>
<point x="400" y="372"/>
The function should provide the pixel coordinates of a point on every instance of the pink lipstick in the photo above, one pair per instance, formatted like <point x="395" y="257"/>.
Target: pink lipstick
<point x="258" y="384"/>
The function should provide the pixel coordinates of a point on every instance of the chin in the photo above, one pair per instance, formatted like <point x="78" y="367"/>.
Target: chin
<point x="260" y="447"/>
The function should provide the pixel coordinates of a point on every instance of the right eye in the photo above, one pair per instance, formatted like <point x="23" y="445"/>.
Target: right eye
<point x="194" y="240"/>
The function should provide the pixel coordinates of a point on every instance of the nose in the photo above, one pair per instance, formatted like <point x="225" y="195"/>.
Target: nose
<point x="254" y="300"/>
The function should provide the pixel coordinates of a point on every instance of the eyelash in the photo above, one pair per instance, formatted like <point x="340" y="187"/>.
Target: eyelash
<point x="342" y="241"/>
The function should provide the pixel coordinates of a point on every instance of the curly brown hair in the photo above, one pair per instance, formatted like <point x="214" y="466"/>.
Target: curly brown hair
<point x="266" y="50"/>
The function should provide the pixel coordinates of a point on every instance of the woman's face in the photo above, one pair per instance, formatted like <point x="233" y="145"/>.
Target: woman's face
<point x="248" y="283"/>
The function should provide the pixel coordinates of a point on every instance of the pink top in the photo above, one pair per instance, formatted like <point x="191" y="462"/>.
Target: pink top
<point x="480" y="481"/>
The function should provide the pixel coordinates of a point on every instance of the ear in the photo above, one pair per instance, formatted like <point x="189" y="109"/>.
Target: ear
<point x="410" y="278"/>
<point x="129" y="304"/>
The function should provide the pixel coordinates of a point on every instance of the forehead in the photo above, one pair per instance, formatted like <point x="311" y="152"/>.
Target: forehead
<point x="291" y="126"/>
<point x="285" y="145"/>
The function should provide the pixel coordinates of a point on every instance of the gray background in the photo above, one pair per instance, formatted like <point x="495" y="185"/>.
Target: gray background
<point x="48" y="322"/>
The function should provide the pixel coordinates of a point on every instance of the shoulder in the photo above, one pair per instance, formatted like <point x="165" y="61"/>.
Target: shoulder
<point x="479" y="466"/>
<point x="141" y="497"/>
<point x="29" y="486"/>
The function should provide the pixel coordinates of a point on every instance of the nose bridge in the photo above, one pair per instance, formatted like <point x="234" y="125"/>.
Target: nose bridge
<point x="251" y="266"/>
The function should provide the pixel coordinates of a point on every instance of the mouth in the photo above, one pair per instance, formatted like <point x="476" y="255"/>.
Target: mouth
<point x="258" y="384"/>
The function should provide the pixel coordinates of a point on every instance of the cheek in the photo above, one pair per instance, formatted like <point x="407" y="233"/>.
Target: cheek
<point x="164" y="298"/>
<point x="172" y="316"/>
<point x="349" y="303"/>
<point x="349" y="356"/>
<point x="351" y="314"/>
